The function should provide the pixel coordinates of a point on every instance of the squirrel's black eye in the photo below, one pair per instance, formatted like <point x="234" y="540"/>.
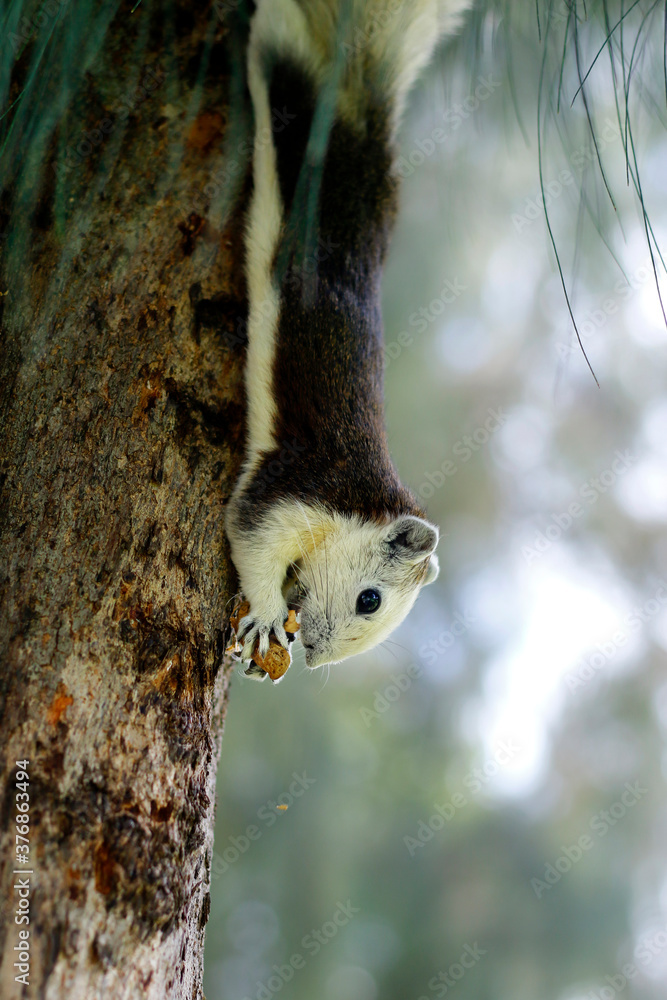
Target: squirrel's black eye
<point x="368" y="601"/>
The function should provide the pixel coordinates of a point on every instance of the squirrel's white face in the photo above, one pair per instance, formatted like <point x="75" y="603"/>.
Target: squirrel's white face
<point x="360" y="583"/>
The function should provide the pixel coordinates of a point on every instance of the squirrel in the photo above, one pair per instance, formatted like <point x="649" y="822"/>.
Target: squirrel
<point x="318" y="517"/>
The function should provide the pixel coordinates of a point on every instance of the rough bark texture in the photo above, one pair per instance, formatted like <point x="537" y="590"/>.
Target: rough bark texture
<point x="121" y="435"/>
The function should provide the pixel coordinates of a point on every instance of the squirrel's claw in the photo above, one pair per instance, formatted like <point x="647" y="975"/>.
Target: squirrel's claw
<point x="249" y="629"/>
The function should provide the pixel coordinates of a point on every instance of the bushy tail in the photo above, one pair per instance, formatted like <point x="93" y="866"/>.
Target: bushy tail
<point x="361" y="50"/>
<point x="328" y="80"/>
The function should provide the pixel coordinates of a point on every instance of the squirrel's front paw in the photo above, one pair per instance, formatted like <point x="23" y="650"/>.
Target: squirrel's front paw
<point x="254" y="624"/>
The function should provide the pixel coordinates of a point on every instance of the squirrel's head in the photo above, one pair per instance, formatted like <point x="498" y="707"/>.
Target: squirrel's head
<point x="359" y="583"/>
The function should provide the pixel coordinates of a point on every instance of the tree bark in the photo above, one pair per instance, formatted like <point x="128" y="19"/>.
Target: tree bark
<point x="122" y="430"/>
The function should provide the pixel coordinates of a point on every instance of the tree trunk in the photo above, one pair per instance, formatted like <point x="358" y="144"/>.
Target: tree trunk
<point x="122" y="428"/>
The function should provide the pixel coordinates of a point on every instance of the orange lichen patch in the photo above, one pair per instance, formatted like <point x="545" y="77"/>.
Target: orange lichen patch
<point x="129" y="606"/>
<point x="161" y="813"/>
<point x="123" y="600"/>
<point x="169" y="677"/>
<point x="73" y="883"/>
<point x="205" y="130"/>
<point x="72" y="874"/>
<point x="148" y="396"/>
<point x="104" y="869"/>
<point x="60" y="704"/>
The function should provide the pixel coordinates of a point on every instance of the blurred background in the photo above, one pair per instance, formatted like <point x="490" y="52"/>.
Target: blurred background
<point x="478" y="808"/>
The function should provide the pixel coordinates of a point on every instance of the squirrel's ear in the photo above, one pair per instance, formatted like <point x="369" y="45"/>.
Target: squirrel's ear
<point x="432" y="571"/>
<point x="411" y="538"/>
